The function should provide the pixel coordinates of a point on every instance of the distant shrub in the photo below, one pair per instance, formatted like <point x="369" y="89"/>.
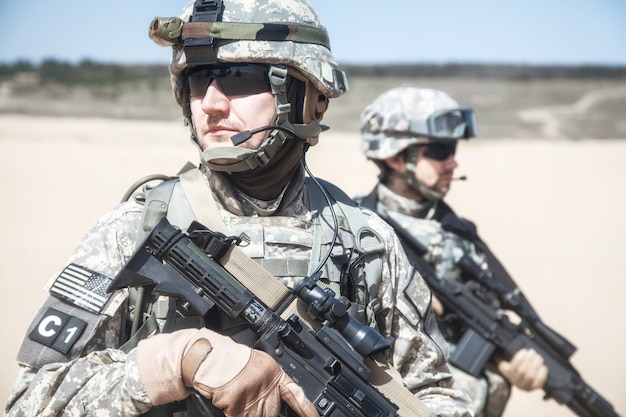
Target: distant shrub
<point x="85" y="73"/>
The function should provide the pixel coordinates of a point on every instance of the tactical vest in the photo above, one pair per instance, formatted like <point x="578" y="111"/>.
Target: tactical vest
<point x="290" y="248"/>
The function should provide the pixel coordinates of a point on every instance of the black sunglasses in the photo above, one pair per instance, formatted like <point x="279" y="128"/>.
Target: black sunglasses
<point x="233" y="80"/>
<point x="440" y="151"/>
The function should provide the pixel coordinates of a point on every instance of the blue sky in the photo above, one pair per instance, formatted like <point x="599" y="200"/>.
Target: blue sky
<point x="530" y="32"/>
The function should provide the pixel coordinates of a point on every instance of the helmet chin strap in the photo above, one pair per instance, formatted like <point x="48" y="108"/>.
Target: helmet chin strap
<point x="411" y="179"/>
<point x="426" y="192"/>
<point x="243" y="159"/>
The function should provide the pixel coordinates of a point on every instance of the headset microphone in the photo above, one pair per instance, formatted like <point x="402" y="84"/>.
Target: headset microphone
<point x="241" y="137"/>
<point x="461" y="178"/>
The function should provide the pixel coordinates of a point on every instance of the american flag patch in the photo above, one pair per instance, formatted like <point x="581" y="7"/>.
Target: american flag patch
<point x="82" y="287"/>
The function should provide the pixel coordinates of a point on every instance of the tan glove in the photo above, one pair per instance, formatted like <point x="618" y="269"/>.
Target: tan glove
<point x="525" y="370"/>
<point x="240" y="380"/>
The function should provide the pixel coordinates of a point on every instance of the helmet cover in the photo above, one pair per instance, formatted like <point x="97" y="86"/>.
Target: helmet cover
<point x="286" y="32"/>
<point x="405" y="116"/>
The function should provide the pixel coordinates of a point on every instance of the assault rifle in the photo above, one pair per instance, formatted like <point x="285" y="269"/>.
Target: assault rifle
<point x="489" y="330"/>
<point x="327" y="364"/>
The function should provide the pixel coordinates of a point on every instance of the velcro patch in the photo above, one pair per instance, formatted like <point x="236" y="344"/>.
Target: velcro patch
<point x="82" y="287"/>
<point x="58" y="330"/>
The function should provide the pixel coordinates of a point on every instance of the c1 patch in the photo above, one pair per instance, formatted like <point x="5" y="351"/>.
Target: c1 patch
<point x="58" y="330"/>
<point x="82" y="287"/>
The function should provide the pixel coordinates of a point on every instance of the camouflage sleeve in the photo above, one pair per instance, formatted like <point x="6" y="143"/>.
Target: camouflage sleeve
<point x="110" y="242"/>
<point x="419" y="350"/>
<point x="94" y="378"/>
<point x="103" y="383"/>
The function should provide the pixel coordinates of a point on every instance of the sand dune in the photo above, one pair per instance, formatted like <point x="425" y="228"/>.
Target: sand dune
<point x="552" y="210"/>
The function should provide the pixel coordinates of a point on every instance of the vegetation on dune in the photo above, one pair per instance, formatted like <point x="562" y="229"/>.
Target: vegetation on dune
<point x="91" y="73"/>
<point x="511" y="101"/>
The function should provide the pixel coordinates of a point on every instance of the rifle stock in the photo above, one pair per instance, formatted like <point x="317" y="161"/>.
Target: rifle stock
<point x="489" y="330"/>
<point x="327" y="364"/>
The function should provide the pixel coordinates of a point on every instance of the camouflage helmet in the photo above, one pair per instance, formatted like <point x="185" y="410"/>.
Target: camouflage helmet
<point x="407" y="116"/>
<point x="253" y="31"/>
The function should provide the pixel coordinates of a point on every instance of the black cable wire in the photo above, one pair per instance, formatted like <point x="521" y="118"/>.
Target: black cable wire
<point x="241" y="137"/>
<point x="141" y="182"/>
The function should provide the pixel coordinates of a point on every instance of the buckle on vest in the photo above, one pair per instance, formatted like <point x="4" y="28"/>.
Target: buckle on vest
<point x="368" y="241"/>
<point x="214" y="244"/>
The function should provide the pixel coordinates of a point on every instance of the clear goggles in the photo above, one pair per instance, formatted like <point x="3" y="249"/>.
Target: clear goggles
<point x="232" y="79"/>
<point x="447" y="124"/>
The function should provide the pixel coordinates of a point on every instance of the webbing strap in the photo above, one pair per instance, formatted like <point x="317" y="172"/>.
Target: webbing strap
<point x="148" y="327"/>
<point x="256" y="32"/>
<point x="260" y="282"/>
<point x="385" y="378"/>
<point x="271" y="292"/>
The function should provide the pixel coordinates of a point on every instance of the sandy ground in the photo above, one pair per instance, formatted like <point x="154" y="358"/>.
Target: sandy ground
<point x="553" y="212"/>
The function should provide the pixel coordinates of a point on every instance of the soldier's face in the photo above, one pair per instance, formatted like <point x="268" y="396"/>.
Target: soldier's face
<point x="435" y="174"/>
<point x="217" y="116"/>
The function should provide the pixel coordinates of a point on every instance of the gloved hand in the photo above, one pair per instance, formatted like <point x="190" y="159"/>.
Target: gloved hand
<point x="240" y="380"/>
<point x="525" y="370"/>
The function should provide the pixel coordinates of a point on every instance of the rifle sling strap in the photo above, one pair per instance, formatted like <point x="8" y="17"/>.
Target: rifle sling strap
<point x="271" y="292"/>
<point x="260" y="282"/>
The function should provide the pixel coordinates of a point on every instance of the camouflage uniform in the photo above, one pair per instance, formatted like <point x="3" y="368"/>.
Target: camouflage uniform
<point x="395" y="122"/>
<point x="102" y="380"/>
<point x="86" y="371"/>
<point x="491" y="392"/>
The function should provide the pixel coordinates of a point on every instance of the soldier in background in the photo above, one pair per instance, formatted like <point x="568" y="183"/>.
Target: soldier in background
<point x="253" y="79"/>
<point x="411" y="134"/>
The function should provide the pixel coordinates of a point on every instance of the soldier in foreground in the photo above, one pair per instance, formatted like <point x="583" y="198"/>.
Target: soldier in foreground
<point x="411" y="134"/>
<point x="253" y="80"/>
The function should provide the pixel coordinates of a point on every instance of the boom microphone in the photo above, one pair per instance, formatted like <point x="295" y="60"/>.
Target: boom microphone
<point x="241" y="137"/>
<point x="461" y="178"/>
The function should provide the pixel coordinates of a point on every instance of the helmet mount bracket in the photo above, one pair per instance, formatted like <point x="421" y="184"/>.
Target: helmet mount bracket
<point x="201" y="51"/>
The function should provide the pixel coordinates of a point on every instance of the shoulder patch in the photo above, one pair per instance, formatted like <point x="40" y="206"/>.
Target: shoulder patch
<point x="58" y="330"/>
<point x="82" y="287"/>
